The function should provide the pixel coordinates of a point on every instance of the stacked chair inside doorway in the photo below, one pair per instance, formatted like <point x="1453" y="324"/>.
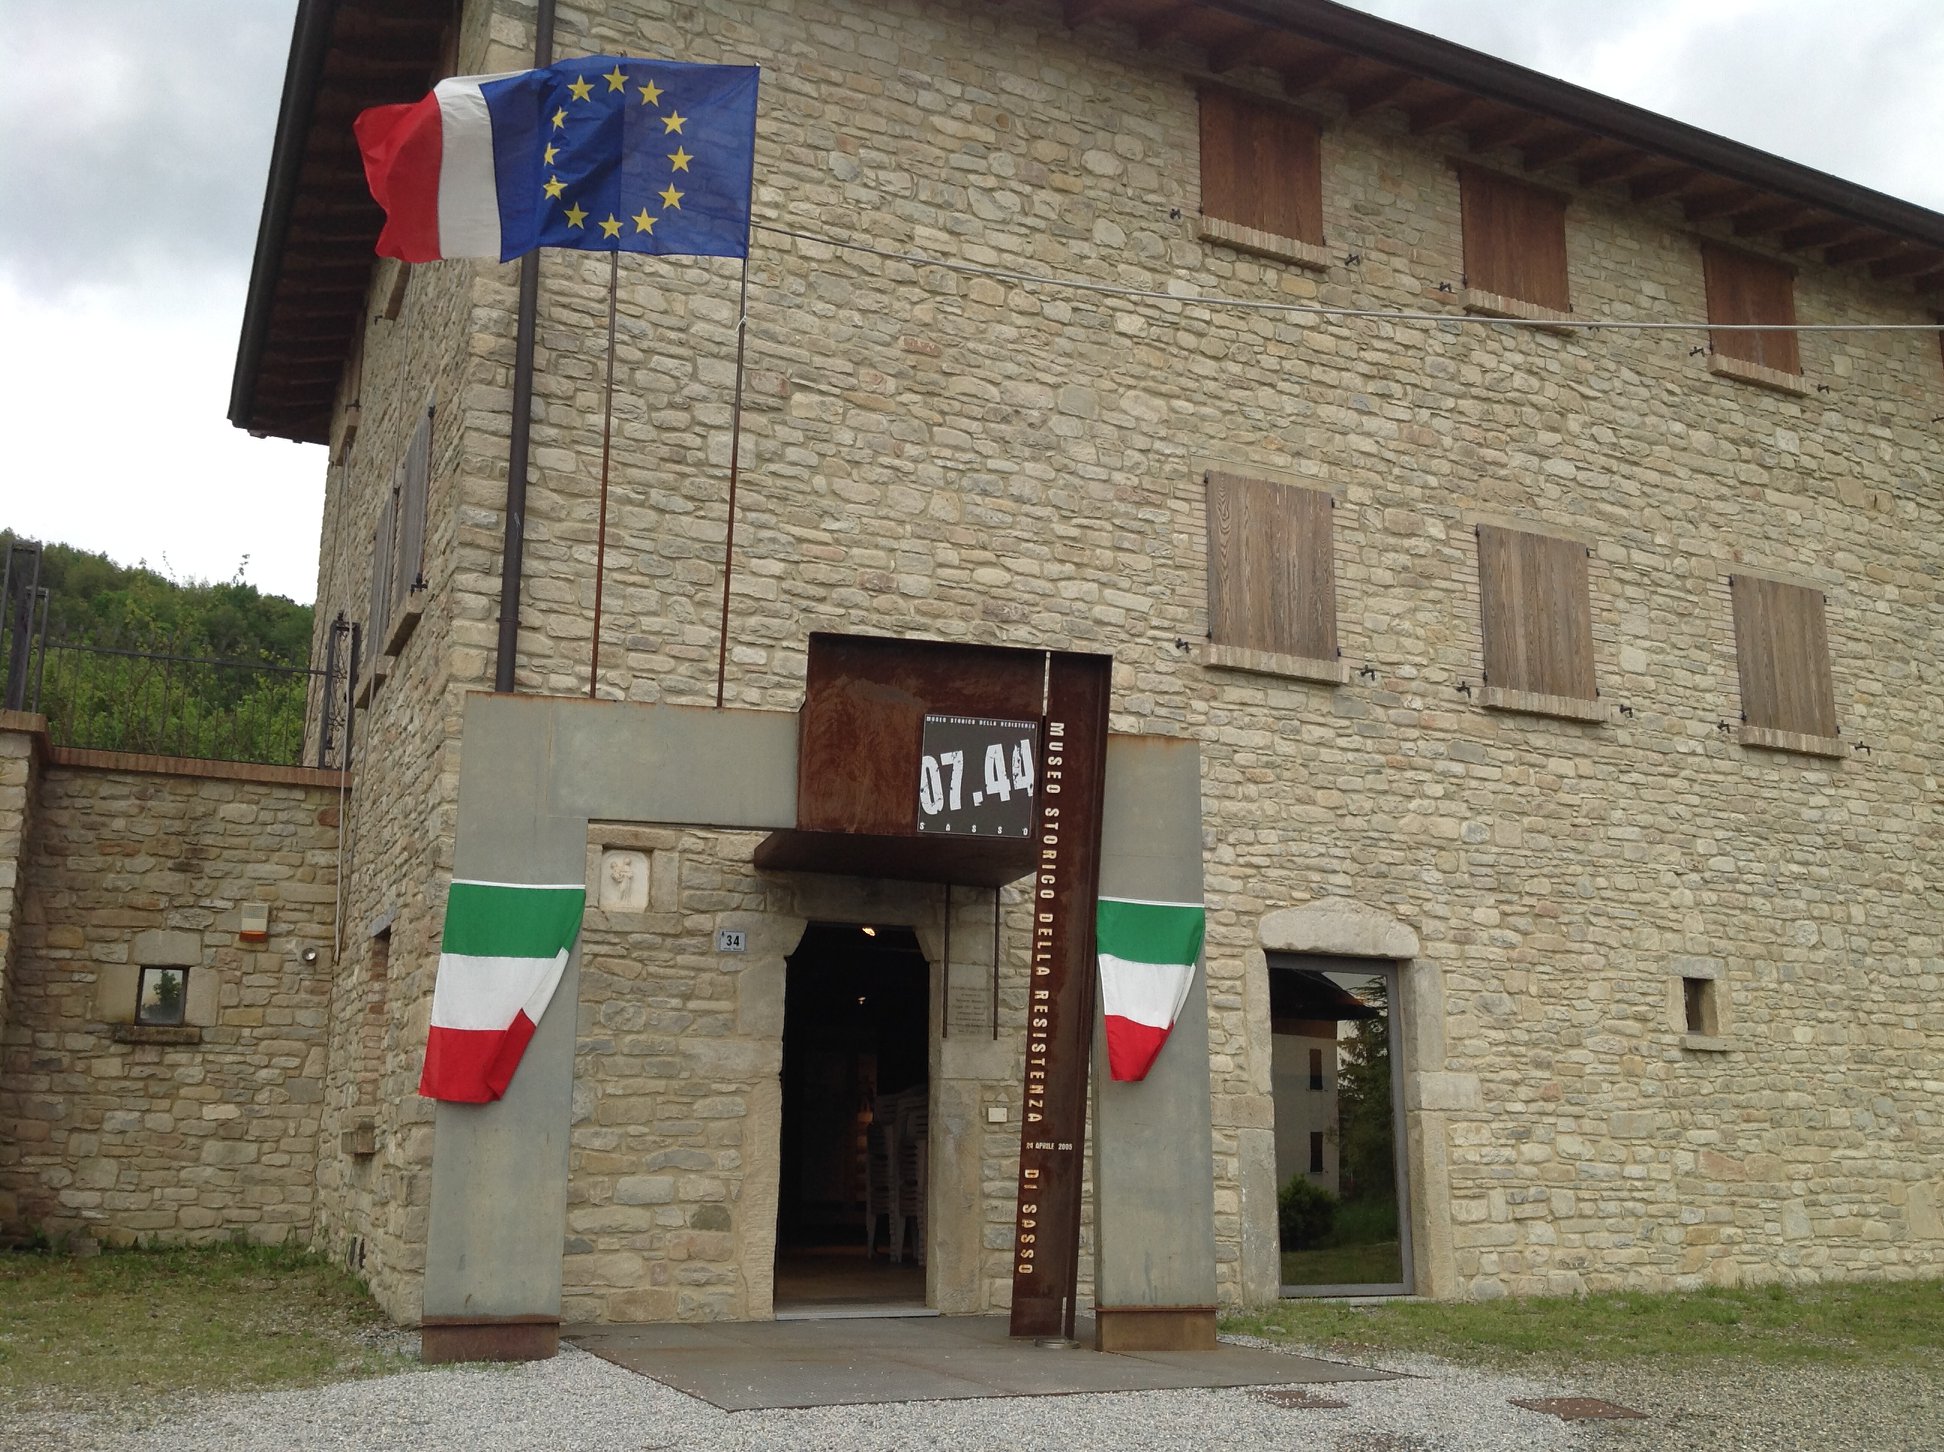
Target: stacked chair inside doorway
<point x="897" y="1168"/>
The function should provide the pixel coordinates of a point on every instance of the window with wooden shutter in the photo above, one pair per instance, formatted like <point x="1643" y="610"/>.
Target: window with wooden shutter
<point x="382" y="540"/>
<point x="1515" y="241"/>
<point x="1262" y="176"/>
<point x="1743" y="289"/>
<point x="1536" y="614"/>
<point x="1782" y="653"/>
<point x="1271" y="577"/>
<point x="407" y="581"/>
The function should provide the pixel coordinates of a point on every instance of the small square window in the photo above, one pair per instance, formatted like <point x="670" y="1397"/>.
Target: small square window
<point x="1271" y="568"/>
<point x="1316" y="1152"/>
<point x="1316" y="1068"/>
<point x="1698" y="996"/>
<point x="162" y="996"/>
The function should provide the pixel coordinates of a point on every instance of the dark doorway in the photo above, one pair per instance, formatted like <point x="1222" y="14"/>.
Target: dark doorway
<point x="850" y="1222"/>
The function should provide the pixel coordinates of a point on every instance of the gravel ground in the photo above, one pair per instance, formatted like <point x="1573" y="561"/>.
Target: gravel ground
<point x="578" y="1403"/>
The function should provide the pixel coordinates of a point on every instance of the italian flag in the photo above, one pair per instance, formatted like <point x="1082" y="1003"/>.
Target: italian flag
<point x="1147" y="961"/>
<point x="504" y="949"/>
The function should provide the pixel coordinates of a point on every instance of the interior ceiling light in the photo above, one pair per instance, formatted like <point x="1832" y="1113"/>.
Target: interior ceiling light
<point x="869" y="932"/>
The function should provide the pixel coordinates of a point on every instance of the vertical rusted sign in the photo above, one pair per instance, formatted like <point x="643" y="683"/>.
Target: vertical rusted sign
<point x="1060" y="994"/>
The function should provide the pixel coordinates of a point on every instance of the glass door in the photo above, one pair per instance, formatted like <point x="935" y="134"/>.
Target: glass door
<point x="1342" y="1198"/>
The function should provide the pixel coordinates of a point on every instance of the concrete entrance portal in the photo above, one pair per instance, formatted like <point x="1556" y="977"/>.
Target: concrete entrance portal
<point x="756" y="1366"/>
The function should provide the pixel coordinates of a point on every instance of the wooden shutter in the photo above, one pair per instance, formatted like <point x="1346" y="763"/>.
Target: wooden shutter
<point x="381" y="568"/>
<point x="414" y="477"/>
<point x="1271" y="568"/>
<point x="1782" y="650"/>
<point x="1261" y="166"/>
<point x="1515" y="239"/>
<point x="1536" y="612"/>
<point x="1745" y="289"/>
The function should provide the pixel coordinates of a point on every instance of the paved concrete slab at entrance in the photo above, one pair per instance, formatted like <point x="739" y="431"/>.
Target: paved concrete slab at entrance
<point x="762" y="1365"/>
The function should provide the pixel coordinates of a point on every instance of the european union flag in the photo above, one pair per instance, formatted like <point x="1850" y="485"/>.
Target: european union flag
<point x="608" y="153"/>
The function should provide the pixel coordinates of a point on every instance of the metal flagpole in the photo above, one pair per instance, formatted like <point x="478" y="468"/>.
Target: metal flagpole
<point x="735" y="462"/>
<point x="607" y="441"/>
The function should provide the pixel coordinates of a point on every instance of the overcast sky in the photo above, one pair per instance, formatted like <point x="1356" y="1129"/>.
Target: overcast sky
<point x="136" y="139"/>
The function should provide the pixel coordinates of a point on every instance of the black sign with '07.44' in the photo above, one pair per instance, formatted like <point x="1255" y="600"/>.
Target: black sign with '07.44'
<point x="975" y="776"/>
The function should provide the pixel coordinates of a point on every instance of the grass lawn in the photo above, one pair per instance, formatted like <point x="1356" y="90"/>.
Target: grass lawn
<point x="1884" y="1322"/>
<point x="129" y="1325"/>
<point x="1373" y="1263"/>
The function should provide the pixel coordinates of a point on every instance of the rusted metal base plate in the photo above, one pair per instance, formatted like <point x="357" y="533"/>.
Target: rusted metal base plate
<point x="1578" y="1409"/>
<point x="443" y="1339"/>
<point x="1154" y="1328"/>
<point x="1295" y="1396"/>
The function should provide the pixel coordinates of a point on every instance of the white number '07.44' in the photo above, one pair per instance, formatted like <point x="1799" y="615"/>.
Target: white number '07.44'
<point x="996" y="785"/>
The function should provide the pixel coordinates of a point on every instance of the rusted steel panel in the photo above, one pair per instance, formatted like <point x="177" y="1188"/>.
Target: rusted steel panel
<point x="864" y="708"/>
<point x="1060" y="1003"/>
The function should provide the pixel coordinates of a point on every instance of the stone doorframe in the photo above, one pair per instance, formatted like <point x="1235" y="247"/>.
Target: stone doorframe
<point x="536" y="771"/>
<point x="1341" y="927"/>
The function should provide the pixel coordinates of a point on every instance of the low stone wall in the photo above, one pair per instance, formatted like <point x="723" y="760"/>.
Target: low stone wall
<point x="125" y="1130"/>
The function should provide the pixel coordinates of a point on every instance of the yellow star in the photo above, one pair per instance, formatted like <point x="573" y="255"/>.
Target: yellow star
<point x="560" y="118"/>
<point x="673" y="121"/>
<point x="672" y="198"/>
<point x="610" y="228"/>
<point x="643" y="222"/>
<point x="581" y="89"/>
<point x="651" y="94"/>
<point x="680" y="158"/>
<point x="617" y="78"/>
<point x="548" y="158"/>
<point x="575" y="216"/>
<point x="554" y="187"/>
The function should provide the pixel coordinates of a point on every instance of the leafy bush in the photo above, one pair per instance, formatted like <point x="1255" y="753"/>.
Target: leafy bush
<point x="1305" y="1213"/>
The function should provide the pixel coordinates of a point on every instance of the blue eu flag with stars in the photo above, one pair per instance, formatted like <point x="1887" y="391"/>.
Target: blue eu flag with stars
<point x="611" y="153"/>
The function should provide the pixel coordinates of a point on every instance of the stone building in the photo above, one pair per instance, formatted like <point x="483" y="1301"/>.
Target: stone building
<point x="1561" y="697"/>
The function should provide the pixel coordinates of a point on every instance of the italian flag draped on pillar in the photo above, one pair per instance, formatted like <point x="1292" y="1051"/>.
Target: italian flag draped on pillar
<point x="1147" y="962"/>
<point x="504" y="949"/>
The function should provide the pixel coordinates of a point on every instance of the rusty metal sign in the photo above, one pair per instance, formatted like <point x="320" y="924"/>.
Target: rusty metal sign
<point x="1060" y="994"/>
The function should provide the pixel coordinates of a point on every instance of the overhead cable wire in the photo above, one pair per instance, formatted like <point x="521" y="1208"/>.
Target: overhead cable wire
<point x="1324" y="310"/>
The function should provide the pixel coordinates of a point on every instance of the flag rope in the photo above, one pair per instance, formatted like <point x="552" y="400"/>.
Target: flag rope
<point x="735" y="464"/>
<point x="607" y="442"/>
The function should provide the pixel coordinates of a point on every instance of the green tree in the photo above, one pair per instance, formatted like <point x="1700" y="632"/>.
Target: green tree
<point x="1365" y="1122"/>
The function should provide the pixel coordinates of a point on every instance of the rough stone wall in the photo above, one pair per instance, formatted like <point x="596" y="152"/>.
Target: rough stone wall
<point x="123" y="1131"/>
<point x="673" y="1178"/>
<point x="930" y="454"/>
<point x="19" y="771"/>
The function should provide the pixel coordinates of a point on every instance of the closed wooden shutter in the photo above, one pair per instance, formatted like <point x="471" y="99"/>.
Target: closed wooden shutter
<point x="414" y="478"/>
<point x="1515" y="239"/>
<point x="1782" y="651"/>
<point x="1271" y="568"/>
<point x="1535" y="604"/>
<point x="1261" y="166"/>
<point x="381" y="567"/>
<point x="1745" y="289"/>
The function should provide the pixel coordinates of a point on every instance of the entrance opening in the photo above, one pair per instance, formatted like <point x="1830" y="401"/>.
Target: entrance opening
<point x="1342" y="1200"/>
<point x="851" y="1220"/>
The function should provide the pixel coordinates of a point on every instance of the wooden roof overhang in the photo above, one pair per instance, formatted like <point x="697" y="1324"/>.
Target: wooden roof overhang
<point x="314" y="247"/>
